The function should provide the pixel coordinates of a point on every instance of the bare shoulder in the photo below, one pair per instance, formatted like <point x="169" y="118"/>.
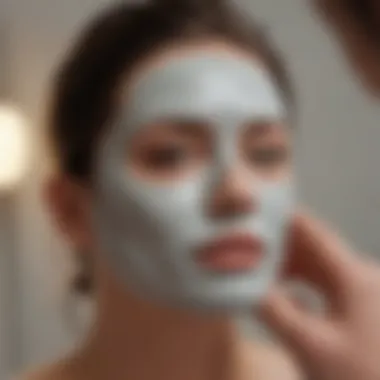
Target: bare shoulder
<point x="56" y="371"/>
<point x="273" y="363"/>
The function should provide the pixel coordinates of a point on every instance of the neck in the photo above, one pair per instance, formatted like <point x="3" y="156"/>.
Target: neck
<point x="136" y="339"/>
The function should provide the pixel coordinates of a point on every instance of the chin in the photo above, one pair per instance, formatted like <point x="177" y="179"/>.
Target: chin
<point x="232" y="302"/>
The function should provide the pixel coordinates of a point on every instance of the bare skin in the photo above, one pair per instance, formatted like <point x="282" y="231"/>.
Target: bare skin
<point x="136" y="339"/>
<point x="270" y="363"/>
<point x="343" y="344"/>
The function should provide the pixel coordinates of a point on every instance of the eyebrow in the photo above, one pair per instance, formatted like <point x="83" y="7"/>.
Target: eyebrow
<point x="191" y="127"/>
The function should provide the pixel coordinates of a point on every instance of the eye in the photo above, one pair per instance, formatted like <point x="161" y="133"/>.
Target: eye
<point x="166" y="157"/>
<point x="268" y="156"/>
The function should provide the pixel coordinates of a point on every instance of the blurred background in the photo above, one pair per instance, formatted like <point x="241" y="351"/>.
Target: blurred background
<point x="338" y="140"/>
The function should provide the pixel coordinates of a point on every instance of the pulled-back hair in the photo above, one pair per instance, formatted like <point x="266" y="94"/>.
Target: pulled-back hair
<point x="84" y="93"/>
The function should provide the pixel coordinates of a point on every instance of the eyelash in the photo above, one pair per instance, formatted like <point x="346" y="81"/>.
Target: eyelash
<point x="268" y="156"/>
<point x="168" y="156"/>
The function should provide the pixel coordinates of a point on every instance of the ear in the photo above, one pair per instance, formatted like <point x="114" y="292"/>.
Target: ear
<point x="68" y="203"/>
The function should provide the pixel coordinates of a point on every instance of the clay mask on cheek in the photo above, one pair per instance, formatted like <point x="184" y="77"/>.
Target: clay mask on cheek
<point x="150" y="231"/>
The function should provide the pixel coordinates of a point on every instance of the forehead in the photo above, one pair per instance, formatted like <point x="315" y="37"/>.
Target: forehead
<point x="203" y="85"/>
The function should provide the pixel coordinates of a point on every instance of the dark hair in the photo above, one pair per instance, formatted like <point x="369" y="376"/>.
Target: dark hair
<point x="85" y="91"/>
<point x="84" y="95"/>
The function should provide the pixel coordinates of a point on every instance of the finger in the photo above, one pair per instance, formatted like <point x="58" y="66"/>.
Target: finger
<point x="319" y="257"/>
<point x="300" y="330"/>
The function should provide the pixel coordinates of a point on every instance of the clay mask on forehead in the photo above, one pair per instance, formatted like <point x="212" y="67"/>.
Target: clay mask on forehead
<point x="150" y="230"/>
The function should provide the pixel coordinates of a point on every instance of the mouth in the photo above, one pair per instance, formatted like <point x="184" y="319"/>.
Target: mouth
<point x="237" y="253"/>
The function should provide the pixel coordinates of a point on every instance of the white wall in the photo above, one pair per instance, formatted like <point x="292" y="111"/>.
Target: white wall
<point x="39" y="31"/>
<point x="338" y="144"/>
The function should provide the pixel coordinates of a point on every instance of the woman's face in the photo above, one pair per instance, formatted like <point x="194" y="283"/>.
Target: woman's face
<point x="169" y="149"/>
<point x="193" y="182"/>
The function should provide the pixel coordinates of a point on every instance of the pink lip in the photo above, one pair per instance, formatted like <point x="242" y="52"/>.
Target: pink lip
<point x="233" y="253"/>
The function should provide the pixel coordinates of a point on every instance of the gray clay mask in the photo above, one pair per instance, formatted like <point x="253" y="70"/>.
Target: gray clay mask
<point x="149" y="230"/>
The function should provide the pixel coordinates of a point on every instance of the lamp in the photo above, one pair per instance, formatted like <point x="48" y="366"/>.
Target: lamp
<point x="13" y="148"/>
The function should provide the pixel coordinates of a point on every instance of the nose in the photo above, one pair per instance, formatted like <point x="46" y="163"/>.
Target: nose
<point x="232" y="196"/>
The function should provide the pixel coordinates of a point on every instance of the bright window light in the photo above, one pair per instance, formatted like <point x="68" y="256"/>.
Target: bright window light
<point x="13" y="148"/>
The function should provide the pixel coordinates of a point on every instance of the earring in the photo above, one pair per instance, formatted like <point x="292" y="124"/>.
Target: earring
<point x="83" y="283"/>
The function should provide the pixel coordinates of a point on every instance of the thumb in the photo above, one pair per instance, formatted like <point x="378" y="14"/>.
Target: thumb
<point x="298" y="328"/>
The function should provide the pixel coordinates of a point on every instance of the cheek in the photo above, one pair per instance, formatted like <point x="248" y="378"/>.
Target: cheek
<point x="182" y="198"/>
<point x="277" y="203"/>
<point x="170" y="203"/>
<point x="279" y="173"/>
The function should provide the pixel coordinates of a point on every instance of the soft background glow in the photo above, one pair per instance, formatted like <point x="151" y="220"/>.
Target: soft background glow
<point x="13" y="147"/>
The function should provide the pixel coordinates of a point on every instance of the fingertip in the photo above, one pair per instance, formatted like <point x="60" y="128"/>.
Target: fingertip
<point x="295" y="325"/>
<point x="304" y="217"/>
<point x="274" y="306"/>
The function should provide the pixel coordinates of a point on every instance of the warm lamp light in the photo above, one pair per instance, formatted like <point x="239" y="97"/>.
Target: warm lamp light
<point x="13" y="148"/>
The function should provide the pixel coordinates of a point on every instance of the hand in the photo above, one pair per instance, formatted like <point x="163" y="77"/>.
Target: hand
<point x="344" y="343"/>
<point x="356" y="23"/>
